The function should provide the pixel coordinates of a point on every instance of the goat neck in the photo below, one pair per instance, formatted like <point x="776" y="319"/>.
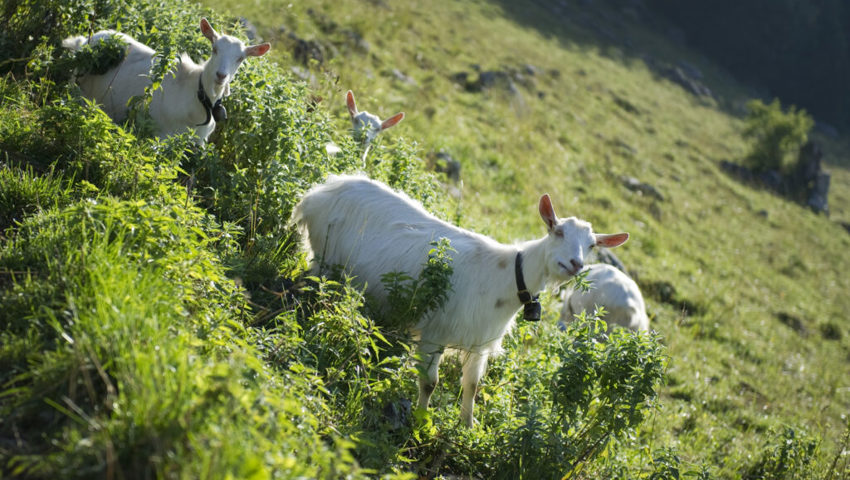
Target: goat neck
<point x="534" y="266"/>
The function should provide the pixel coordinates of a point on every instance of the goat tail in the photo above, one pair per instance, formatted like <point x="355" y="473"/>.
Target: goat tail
<point x="74" y="44"/>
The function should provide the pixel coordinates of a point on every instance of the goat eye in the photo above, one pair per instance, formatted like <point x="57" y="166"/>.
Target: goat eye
<point x="559" y="233"/>
<point x="240" y="59"/>
<point x="215" y="50"/>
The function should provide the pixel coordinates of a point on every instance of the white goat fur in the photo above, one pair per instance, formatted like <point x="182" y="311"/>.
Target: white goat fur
<point x="371" y="230"/>
<point x="174" y="106"/>
<point x="613" y="290"/>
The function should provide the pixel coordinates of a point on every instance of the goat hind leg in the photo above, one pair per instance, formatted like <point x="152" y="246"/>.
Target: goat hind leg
<point x="474" y="365"/>
<point x="429" y="375"/>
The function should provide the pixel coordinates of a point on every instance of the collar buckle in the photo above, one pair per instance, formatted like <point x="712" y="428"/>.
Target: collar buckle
<point x="216" y="111"/>
<point x="531" y="307"/>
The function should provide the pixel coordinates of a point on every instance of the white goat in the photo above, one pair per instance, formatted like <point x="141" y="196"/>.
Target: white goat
<point x="189" y="97"/>
<point x="366" y="125"/>
<point x="613" y="290"/>
<point x="369" y="230"/>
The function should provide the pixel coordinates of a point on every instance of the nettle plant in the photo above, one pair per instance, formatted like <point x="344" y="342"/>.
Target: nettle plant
<point x="411" y="298"/>
<point x="558" y="407"/>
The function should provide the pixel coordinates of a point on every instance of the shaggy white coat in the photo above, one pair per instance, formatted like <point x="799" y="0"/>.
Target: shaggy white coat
<point x="613" y="290"/>
<point x="369" y="230"/>
<point x="174" y="106"/>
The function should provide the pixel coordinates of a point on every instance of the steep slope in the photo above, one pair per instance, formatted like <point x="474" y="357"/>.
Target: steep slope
<point x="153" y="322"/>
<point x="748" y="289"/>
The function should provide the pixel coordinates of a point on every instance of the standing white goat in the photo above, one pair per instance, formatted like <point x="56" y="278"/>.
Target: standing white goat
<point x="366" y="125"/>
<point x="189" y="97"/>
<point x="370" y="230"/>
<point x="613" y="290"/>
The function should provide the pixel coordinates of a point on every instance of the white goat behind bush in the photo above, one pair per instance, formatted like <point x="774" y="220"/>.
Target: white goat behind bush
<point x="613" y="290"/>
<point x="370" y="230"/>
<point x="366" y="125"/>
<point x="188" y="98"/>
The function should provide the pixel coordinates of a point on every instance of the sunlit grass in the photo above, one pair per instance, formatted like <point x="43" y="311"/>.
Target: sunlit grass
<point x="149" y="327"/>
<point x="745" y="255"/>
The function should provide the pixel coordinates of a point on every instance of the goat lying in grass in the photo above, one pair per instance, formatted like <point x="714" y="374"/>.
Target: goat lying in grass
<point x="370" y="230"/>
<point x="613" y="290"/>
<point x="189" y="97"/>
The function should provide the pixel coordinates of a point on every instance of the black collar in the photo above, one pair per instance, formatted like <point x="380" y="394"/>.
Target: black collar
<point x="216" y="110"/>
<point x="531" y="309"/>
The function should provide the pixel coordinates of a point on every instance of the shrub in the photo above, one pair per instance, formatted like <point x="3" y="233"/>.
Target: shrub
<point x="785" y="456"/>
<point x="776" y="135"/>
<point x="556" y="408"/>
<point x="410" y="299"/>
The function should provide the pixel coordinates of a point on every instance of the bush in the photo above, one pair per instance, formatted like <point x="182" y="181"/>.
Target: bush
<point x="777" y="136"/>
<point x="410" y="299"/>
<point x="555" y="410"/>
<point x="785" y="456"/>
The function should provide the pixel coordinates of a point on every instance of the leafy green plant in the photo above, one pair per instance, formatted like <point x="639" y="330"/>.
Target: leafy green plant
<point x="840" y="466"/>
<point x="100" y="57"/>
<point x="411" y="298"/>
<point x="788" y="455"/>
<point x="555" y="410"/>
<point x="776" y="135"/>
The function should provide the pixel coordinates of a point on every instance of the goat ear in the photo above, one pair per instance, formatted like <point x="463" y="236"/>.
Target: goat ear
<point x="611" y="240"/>
<point x="258" y="50"/>
<point x="547" y="212"/>
<point x="208" y="31"/>
<point x="392" y="121"/>
<point x="352" y="105"/>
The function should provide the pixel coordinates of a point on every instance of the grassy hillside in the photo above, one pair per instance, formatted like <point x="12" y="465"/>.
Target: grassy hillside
<point x="211" y="367"/>
<point x="593" y="109"/>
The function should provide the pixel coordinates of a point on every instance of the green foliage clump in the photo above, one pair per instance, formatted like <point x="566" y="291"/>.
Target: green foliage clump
<point x="410" y="299"/>
<point x="557" y="409"/>
<point x="776" y="135"/>
<point x="100" y="57"/>
<point x="785" y="456"/>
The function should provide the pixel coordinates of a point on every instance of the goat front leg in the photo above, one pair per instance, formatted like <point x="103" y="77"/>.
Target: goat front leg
<point x="429" y="372"/>
<point x="474" y="365"/>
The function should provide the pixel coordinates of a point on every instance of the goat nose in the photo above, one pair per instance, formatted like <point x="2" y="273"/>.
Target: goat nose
<point x="221" y="76"/>
<point x="576" y="264"/>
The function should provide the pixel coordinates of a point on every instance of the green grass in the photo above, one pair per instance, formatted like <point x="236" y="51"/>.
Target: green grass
<point x="744" y="255"/>
<point x="145" y="330"/>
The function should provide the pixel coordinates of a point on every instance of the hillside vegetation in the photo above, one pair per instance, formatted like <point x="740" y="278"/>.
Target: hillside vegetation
<point x="149" y="325"/>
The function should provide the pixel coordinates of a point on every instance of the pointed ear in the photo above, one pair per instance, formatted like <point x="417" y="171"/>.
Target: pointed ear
<point x="547" y="212"/>
<point x="352" y="105"/>
<point x="208" y="31"/>
<point x="392" y="121"/>
<point x="258" y="50"/>
<point x="611" y="240"/>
